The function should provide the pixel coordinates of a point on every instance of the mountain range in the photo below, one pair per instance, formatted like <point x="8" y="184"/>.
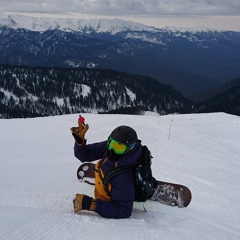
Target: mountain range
<point x="193" y="62"/>
<point x="226" y="99"/>
<point x="41" y="91"/>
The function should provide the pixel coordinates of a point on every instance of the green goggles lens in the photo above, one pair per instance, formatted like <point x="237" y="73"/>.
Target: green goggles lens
<point x="118" y="148"/>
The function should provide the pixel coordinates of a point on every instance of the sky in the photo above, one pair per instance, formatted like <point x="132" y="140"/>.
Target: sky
<point x="219" y="14"/>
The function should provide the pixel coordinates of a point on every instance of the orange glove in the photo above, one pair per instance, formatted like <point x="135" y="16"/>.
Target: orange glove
<point x="84" y="202"/>
<point x="80" y="131"/>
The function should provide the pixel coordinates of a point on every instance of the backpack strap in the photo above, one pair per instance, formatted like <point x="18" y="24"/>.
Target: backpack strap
<point x="114" y="172"/>
<point x="139" y="164"/>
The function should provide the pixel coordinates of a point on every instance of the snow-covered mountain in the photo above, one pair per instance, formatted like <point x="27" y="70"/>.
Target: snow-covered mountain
<point x="32" y="92"/>
<point x="36" y="91"/>
<point x="38" y="178"/>
<point x="190" y="61"/>
<point x="70" y="24"/>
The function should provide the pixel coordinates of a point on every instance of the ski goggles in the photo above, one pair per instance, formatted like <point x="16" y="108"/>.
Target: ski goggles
<point x="119" y="148"/>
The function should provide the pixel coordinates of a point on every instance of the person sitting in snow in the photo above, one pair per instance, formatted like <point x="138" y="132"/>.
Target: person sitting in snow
<point x="121" y="148"/>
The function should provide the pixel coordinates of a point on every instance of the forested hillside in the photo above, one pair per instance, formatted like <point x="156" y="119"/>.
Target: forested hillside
<point x="37" y="91"/>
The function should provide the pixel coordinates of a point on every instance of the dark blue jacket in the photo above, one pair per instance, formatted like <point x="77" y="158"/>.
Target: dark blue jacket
<point x="123" y="190"/>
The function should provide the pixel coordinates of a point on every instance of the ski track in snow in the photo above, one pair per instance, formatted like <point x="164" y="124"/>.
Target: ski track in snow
<point x="38" y="178"/>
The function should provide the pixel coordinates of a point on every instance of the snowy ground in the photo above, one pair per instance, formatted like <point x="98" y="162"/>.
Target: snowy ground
<point x="38" y="178"/>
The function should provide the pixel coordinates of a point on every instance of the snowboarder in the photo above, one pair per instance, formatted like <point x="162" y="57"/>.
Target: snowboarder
<point x="121" y="148"/>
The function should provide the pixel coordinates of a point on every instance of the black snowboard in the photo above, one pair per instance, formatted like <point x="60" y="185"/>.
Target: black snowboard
<point x="166" y="193"/>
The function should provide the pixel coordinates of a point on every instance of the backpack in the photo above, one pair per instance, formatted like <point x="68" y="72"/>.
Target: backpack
<point x="145" y="183"/>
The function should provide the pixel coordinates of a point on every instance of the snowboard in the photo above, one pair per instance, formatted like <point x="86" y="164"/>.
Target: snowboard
<point x="166" y="193"/>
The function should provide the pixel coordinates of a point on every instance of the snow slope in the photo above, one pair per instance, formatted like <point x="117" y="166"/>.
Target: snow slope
<point x="38" y="178"/>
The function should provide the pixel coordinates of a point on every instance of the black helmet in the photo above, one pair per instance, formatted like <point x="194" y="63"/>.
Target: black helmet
<point x="125" y="135"/>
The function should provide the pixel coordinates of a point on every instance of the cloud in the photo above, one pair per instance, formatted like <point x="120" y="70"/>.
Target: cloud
<point x="126" y="7"/>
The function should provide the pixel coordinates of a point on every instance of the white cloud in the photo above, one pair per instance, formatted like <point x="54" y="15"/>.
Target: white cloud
<point x="126" y="7"/>
<point x="44" y="5"/>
